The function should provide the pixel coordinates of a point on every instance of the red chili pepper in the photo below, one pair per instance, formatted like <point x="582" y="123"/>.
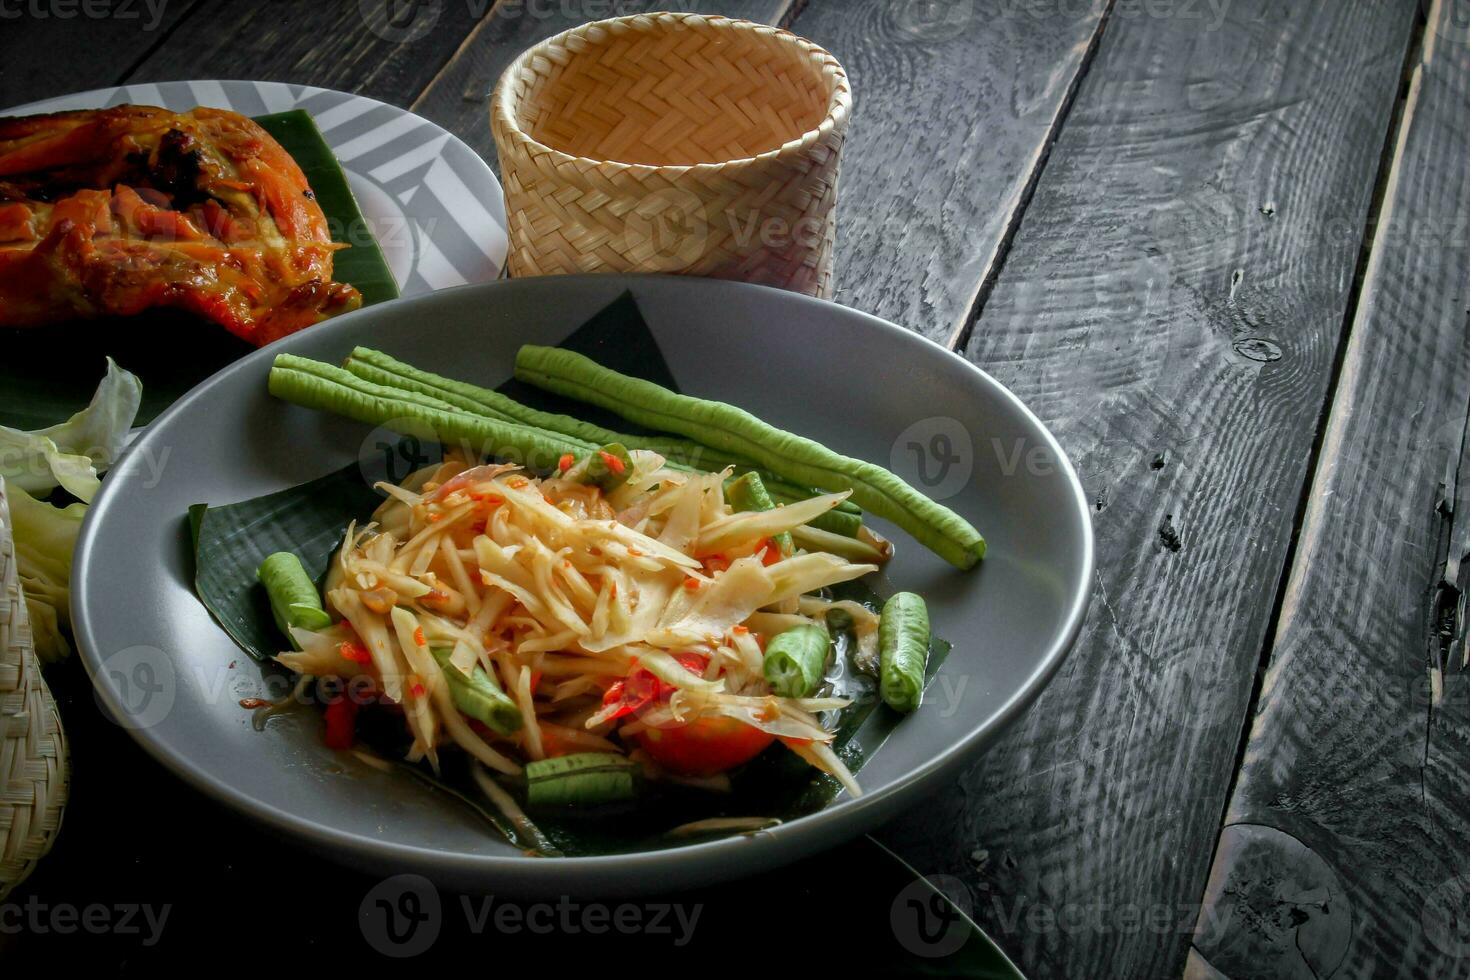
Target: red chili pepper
<point x="418" y="635"/>
<point x="341" y="719"/>
<point x="565" y="463"/>
<point x="641" y="687"/>
<point x="691" y="583"/>
<point x="354" y="651"/>
<point x="613" y="463"/>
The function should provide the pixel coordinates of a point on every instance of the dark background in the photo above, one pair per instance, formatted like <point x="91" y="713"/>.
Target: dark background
<point x="1220" y="248"/>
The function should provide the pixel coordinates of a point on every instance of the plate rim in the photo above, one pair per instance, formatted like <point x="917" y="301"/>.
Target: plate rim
<point x="673" y="867"/>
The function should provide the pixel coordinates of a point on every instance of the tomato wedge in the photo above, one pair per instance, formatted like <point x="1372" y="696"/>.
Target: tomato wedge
<point x="704" y="747"/>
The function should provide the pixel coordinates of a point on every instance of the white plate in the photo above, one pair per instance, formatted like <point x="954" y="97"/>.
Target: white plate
<point x="433" y="205"/>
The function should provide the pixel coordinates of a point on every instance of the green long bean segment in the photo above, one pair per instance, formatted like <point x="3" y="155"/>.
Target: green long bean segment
<point x="386" y="370"/>
<point x="734" y="430"/>
<point x="584" y="779"/>
<point x="748" y="493"/>
<point x="313" y="384"/>
<point x="903" y="651"/>
<point x="293" y="595"/>
<point x="796" y="659"/>
<point x="477" y="695"/>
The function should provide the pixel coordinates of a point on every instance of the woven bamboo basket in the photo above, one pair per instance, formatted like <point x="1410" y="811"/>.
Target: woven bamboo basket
<point x="669" y="142"/>
<point x="33" y="759"/>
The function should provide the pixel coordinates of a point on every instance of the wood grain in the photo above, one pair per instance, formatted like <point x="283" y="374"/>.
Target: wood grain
<point x="1172" y="307"/>
<point x="384" y="50"/>
<point x="51" y="50"/>
<point x="1349" y="759"/>
<point x="459" y="97"/>
<point x="955" y="106"/>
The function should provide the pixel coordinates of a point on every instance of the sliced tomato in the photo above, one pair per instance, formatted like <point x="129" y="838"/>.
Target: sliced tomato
<point x="704" y="747"/>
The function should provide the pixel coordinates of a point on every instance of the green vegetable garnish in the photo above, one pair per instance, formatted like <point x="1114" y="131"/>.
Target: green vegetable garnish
<point x="607" y="467"/>
<point x="476" y="694"/>
<point x="903" y="649"/>
<point x="583" y="779"/>
<point x="293" y="595"/>
<point x="796" y="660"/>
<point x="747" y="493"/>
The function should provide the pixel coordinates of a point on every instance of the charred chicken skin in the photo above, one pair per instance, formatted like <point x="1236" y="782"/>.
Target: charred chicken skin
<point x="117" y="211"/>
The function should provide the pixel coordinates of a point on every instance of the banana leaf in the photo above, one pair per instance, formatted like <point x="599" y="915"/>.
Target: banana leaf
<point x="47" y="372"/>
<point x="309" y="520"/>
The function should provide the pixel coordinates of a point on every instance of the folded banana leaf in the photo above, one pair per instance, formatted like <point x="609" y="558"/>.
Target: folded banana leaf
<point x="230" y="541"/>
<point x="46" y="372"/>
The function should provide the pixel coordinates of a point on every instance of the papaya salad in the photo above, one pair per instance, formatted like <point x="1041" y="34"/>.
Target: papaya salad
<point x="590" y="611"/>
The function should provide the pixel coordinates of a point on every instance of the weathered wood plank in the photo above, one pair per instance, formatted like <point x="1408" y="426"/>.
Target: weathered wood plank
<point x="53" y="49"/>
<point x="1352" y="774"/>
<point x="954" y="108"/>
<point x="388" y="51"/>
<point x="459" y="97"/>
<point x="1172" y="307"/>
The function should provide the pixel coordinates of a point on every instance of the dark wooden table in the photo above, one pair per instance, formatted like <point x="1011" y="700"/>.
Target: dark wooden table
<point x="1220" y="246"/>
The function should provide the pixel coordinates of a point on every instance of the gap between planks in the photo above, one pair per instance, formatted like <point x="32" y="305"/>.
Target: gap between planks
<point x="1379" y="209"/>
<point x="960" y="337"/>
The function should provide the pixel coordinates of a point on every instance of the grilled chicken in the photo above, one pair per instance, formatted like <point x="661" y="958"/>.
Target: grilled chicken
<point x="117" y="211"/>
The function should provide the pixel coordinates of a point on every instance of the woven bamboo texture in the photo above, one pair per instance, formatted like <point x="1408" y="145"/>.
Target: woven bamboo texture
<point x="669" y="142"/>
<point x="33" y="758"/>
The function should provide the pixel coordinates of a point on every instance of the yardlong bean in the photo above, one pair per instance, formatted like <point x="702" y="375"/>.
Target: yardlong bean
<point x="735" y="430"/>
<point x="386" y="370"/>
<point x="903" y="650"/>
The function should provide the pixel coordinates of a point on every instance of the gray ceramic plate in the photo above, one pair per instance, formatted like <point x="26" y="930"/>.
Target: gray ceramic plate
<point x="857" y="383"/>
